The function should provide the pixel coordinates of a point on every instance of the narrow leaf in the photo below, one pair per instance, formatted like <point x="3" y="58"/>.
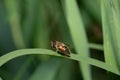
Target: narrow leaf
<point x="78" y="34"/>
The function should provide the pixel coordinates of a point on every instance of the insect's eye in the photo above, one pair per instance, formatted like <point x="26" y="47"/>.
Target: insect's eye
<point x="64" y="47"/>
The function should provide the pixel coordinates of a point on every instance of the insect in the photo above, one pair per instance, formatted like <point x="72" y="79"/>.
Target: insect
<point x="61" y="48"/>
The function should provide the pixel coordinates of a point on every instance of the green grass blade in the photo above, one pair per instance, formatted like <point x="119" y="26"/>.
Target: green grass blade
<point x="14" y="20"/>
<point x="78" y="34"/>
<point x="30" y="19"/>
<point x="116" y="29"/>
<point x="11" y="55"/>
<point x="42" y="30"/>
<point x="93" y="6"/>
<point x="110" y="26"/>
<point x="96" y="46"/>
<point x="23" y="69"/>
<point x="47" y="70"/>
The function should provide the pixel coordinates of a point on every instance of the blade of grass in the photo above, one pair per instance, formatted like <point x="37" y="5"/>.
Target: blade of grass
<point x="30" y="20"/>
<point x="1" y="78"/>
<point x="116" y="18"/>
<point x="95" y="46"/>
<point x="78" y="34"/>
<point x="49" y="68"/>
<point x="14" y="20"/>
<point x="42" y="30"/>
<point x="93" y="7"/>
<point x="42" y="33"/>
<point x="68" y="71"/>
<point x="109" y="31"/>
<point x="23" y="69"/>
<point x="11" y="55"/>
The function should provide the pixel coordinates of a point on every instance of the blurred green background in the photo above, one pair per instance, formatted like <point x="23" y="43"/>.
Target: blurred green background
<point x="33" y="24"/>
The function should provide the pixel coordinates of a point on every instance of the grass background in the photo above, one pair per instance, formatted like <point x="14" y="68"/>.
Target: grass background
<point x="90" y="28"/>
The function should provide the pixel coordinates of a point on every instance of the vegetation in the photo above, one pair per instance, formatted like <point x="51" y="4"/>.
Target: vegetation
<point x="90" y="28"/>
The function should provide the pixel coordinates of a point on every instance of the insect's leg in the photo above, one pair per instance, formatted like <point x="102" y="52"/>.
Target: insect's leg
<point x="56" y="48"/>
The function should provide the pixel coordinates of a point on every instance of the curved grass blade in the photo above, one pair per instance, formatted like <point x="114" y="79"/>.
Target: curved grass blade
<point x="11" y="55"/>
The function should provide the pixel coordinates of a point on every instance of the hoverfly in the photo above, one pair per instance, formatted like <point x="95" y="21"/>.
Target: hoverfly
<point x="61" y="48"/>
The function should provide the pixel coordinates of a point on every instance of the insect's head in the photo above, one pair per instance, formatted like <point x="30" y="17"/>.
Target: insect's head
<point x="53" y="43"/>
